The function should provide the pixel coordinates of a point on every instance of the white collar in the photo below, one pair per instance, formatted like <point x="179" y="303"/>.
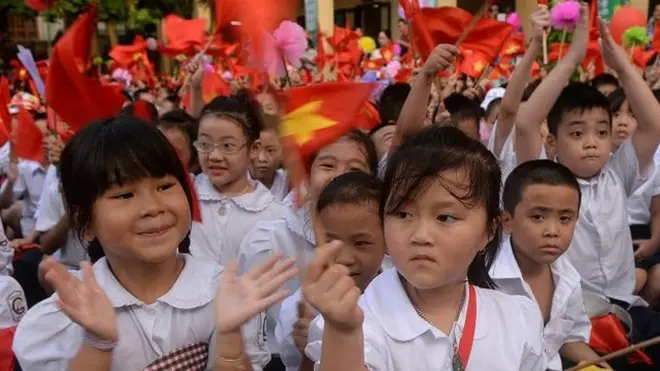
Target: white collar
<point x="255" y="201"/>
<point x="395" y="313"/>
<point x="195" y="286"/>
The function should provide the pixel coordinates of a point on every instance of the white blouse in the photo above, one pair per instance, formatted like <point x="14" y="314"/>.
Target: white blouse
<point x="227" y="220"/>
<point x="569" y="321"/>
<point x="47" y="340"/>
<point x="508" y="334"/>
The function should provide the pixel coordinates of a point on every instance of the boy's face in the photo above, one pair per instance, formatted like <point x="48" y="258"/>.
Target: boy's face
<point x="543" y="222"/>
<point x="584" y="141"/>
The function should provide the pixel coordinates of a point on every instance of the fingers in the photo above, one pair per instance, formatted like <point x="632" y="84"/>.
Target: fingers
<point x="231" y="271"/>
<point x="60" y="279"/>
<point x="326" y="256"/>
<point x="264" y="267"/>
<point x="88" y="276"/>
<point x="275" y="282"/>
<point x="280" y="267"/>
<point x="303" y="309"/>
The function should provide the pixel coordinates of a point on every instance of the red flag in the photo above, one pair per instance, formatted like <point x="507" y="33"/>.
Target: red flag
<point x="28" y="138"/>
<point x="40" y="5"/>
<point x="320" y="114"/>
<point x="514" y="46"/>
<point x="445" y="25"/>
<point x="213" y="85"/>
<point x="179" y="31"/>
<point x="473" y="65"/>
<point x="368" y="117"/>
<point x="127" y="55"/>
<point x="77" y="98"/>
<point x="5" y="98"/>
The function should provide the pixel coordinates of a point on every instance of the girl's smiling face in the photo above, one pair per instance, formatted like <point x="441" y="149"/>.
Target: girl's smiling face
<point x="144" y="221"/>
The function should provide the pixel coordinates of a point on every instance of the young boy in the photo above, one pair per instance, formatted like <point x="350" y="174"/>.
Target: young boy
<point x="541" y="201"/>
<point x="580" y="126"/>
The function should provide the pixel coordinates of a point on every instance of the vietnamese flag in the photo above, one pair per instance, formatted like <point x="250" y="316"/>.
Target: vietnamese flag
<point x="514" y="46"/>
<point x="473" y="65"/>
<point x="213" y="85"/>
<point x="40" y="5"/>
<point x="319" y="114"/>
<point x="5" y="98"/>
<point x="368" y="117"/>
<point x="445" y="25"/>
<point x="127" y="55"/>
<point x="77" y="98"/>
<point x="179" y="31"/>
<point x="28" y="138"/>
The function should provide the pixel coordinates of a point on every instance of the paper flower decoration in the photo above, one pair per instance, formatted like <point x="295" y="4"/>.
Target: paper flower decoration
<point x="370" y="77"/>
<point x="367" y="44"/>
<point x="635" y="36"/>
<point x="514" y="20"/>
<point x="396" y="49"/>
<point x="564" y="16"/>
<point x="392" y="69"/>
<point x="123" y="76"/>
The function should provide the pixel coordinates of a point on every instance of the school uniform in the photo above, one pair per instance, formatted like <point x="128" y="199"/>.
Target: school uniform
<point x="226" y="220"/>
<point x="507" y="156"/>
<point x="569" y="321"/>
<point x="49" y="213"/>
<point x="6" y="254"/>
<point x="12" y="302"/>
<point x="179" y="326"/>
<point x="280" y="187"/>
<point x="639" y="214"/>
<point x="291" y="235"/>
<point x="28" y="186"/>
<point x="288" y="316"/>
<point x="5" y="151"/>
<point x="507" y="332"/>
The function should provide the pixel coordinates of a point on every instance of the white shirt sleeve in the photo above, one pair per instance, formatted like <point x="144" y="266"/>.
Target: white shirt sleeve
<point x="624" y="163"/>
<point x="577" y="313"/>
<point x="50" y="210"/>
<point x="533" y="357"/>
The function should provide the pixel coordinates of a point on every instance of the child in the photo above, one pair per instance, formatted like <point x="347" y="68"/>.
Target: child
<point x="181" y="130"/>
<point x="293" y="235"/>
<point x="541" y="202"/>
<point x="231" y="203"/>
<point x="266" y="162"/>
<point x="348" y="210"/>
<point x="435" y="309"/>
<point x="580" y="125"/>
<point x="605" y="83"/>
<point x="142" y="304"/>
<point x="623" y="119"/>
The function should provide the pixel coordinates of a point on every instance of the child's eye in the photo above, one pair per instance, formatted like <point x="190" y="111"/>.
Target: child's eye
<point x="402" y="215"/>
<point x="123" y="196"/>
<point x="355" y="169"/>
<point x="446" y="218"/>
<point x="326" y="166"/>
<point x="603" y="133"/>
<point x="165" y="187"/>
<point x="362" y="243"/>
<point x="537" y="217"/>
<point x="565" y="219"/>
<point x="577" y="134"/>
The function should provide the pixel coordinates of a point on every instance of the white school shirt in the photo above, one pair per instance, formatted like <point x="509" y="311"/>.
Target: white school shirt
<point x="569" y="321"/>
<point x="280" y="187"/>
<point x="6" y="254"/>
<point x="507" y="156"/>
<point x="29" y="184"/>
<point x="289" y="353"/>
<point x="601" y="249"/>
<point x="226" y="220"/>
<point x="508" y="333"/>
<point x="47" y="340"/>
<point x="291" y="235"/>
<point x="12" y="302"/>
<point x="49" y="213"/>
<point x="5" y="151"/>
<point x="639" y="203"/>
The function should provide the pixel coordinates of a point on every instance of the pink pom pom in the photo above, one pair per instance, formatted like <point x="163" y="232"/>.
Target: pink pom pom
<point x="396" y="49"/>
<point x="208" y="68"/>
<point x="514" y="20"/>
<point x="392" y="69"/>
<point x="291" y="40"/>
<point x="565" y="15"/>
<point x="152" y="44"/>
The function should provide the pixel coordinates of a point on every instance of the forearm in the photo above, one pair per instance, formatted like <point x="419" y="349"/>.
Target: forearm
<point x="196" y="101"/>
<point x="306" y="364"/>
<point x="578" y="352"/>
<point x="341" y="350"/>
<point x="413" y="110"/>
<point x="531" y="115"/>
<point x="641" y="99"/>
<point x="230" y="353"/>
<point x="53" y="239"/>
<point x="89" y="358"/>
<point x="655" y="221"/>
<point x="7" y="195"/>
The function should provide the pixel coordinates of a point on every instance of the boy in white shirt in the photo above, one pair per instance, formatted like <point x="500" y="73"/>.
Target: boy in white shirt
<point x="541" y="202"/>
<point x="580" y="126"/>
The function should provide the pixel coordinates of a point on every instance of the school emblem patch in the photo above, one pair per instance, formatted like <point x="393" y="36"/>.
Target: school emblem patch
<point x="16" y="303"/>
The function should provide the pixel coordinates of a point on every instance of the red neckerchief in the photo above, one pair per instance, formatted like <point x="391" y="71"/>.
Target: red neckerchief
<point x="467" y="338"/>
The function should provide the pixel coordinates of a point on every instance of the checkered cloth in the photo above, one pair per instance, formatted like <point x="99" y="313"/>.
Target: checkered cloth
<point x="187" y="358"/>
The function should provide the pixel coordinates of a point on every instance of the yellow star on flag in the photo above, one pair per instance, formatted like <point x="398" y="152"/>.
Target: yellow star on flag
<point x="302" y="122"/>
<point x="479" y="66"/>
<point x="512" y="49"/>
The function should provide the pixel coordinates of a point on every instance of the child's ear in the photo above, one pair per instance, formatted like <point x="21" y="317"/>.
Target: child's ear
<point x="551" y="146"/>
<point x="507" y="220"/>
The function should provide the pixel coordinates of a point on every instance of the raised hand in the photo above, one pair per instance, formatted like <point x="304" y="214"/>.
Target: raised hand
<point x="613" y="55"/>
<point x="84" y="301"/>
<point x="580" y="36"/>
<point x="241" y="298"/>
<point x="328" y="287"/>
<point x="540" y="21"/>
<point x="441" y="58"/>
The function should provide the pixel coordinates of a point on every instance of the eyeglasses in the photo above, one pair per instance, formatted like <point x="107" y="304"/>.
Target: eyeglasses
<point x="227" y="148"/>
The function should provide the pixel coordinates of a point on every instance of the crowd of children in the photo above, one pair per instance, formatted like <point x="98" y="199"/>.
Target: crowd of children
<point x="469" y="230"/>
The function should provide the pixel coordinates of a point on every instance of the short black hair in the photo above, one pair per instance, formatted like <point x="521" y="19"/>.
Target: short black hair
<point x="653" y="59"/>
<point x="656" y="93"/>
<point x="143" y="110"/>
<point x="528" y="173"/>
<point x="576" y="96"/>
<point x="355" y="188"/>
<point x="179" y="119"/>
<point x="616" y="99"/>
<point x="474" y="113"/>
<point x="116" y="151"/>
<point x="391" y="102"/>
<point x="530" y="89"/>
<point x="362" y="140"/>
<point x="604" y="79"/>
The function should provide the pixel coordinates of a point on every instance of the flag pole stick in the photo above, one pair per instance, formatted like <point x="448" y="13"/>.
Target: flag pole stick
<point x="196" y="58"/>
<point x="618" y="353"/>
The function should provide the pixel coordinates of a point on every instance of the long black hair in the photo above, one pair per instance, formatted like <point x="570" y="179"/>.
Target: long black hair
<point x="116" y="151"/>
<point x="426" y="155"/>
